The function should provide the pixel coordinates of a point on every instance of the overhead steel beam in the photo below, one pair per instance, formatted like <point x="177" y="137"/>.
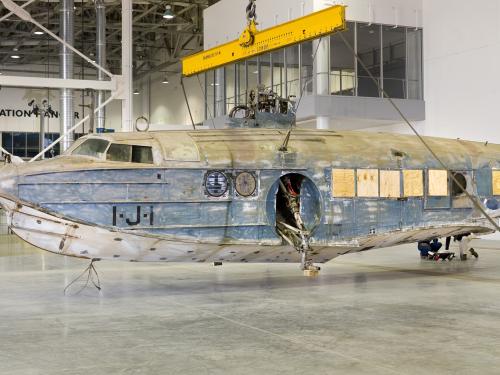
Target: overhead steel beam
<point x="253" y="42"/>
<point x="57" y="83"/>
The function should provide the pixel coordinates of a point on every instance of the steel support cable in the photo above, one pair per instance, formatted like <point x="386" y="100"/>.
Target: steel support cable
<point x="204" y="92"/>
<point x="475" y="202"/>
<point x="187" y="103"/>
<point x="284" y="145"/>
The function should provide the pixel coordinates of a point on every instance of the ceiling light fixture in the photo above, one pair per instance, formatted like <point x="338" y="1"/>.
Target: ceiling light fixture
<point x="168" y="15"/>
<point x="15" y="56"/>
<point x="136" y="92"/>
<point x="165" y="80"/>
<point x="38" y="32"/>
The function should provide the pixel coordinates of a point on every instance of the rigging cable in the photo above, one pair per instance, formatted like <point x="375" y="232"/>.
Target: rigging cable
<point x="284" y="145"/>
<point x="424" y="142"/>
<point x="187" y="103"/>
<point x="204" y="92"/>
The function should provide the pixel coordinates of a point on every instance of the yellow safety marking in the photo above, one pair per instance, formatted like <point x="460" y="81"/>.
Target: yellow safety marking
<point x="312" y="26"/>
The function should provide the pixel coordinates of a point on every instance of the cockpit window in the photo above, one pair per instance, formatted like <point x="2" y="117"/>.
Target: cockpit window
<point x="92" y="147"/>
<point x="117" y="152"/>
<point x="130" y="153"/>
<point x="142" y="154"/>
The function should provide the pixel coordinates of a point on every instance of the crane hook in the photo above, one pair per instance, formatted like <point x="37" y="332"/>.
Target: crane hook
<point x="251" y="11"/>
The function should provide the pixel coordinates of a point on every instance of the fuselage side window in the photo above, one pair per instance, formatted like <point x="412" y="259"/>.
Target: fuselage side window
<point x="496" y="182"/>
<point x="343" y="184"/>
<point x="464" y="184"/>
<point x="438" y="183"/>
<point x="368" y="184"/>
<point x="459" y="184"/>
<point x="390" y="184"/>
<point x="92" y="147"/>
<point x="413" y="183"/>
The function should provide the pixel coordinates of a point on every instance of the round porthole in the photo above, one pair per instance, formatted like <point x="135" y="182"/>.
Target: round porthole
<point x="246" y="184"/>
<point x="216" y="184"/>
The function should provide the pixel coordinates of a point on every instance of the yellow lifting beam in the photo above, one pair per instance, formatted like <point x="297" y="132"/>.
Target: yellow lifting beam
<point x="253" y="42"/>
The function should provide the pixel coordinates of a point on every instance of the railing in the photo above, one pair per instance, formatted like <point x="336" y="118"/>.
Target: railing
<point x="341" y="83"/>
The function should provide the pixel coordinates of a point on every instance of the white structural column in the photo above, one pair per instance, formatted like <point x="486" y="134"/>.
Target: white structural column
<point x="127" y="101"/>
<point x="100" y="8"/>
<point x="322" y="79"/>
<point x="66" y="24"/>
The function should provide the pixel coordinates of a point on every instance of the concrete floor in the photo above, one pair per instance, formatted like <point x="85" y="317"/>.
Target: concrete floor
<point x="379" y="312"/>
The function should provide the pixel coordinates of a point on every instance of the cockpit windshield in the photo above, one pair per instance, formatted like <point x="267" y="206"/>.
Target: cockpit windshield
<point x="92" y="147"/>
<point x="120" y="152"/>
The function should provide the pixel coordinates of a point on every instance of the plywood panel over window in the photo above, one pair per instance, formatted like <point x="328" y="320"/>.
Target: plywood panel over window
<point x="390" y="184"/>
<point x="413" y="183"/>
<point x="343" y="183"/>
<point x="496" y="182"/>
<point x="438" y="183"/>
<point x="368" y="183"/>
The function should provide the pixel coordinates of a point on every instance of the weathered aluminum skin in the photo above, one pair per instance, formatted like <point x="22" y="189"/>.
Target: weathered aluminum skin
<point x="92" y="208"/>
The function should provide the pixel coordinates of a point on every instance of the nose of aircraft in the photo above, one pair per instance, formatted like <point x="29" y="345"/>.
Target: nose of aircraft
<point x="8" y="180"/>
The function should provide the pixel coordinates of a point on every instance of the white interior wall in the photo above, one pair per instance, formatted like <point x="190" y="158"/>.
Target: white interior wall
<point x="461" y="79"/>
<point x="168" y="106"/>
<point x="271" y="13"/>
<point x="462" y="83"/>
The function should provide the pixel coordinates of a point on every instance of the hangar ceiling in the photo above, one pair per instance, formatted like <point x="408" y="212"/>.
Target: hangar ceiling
<point x="158" y="43"/>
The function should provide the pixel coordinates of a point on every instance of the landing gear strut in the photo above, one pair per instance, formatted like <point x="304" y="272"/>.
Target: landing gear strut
<point x="291" y="227"/>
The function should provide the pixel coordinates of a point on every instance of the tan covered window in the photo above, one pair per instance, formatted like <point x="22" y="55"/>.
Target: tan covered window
<point x="367" y="183"/>
<point x="343" y="183"/>
<point x="390" y="184"/>
<point x="413" y="183"/>
<point x="438" y="183"/>
<point x="496" y="182"/>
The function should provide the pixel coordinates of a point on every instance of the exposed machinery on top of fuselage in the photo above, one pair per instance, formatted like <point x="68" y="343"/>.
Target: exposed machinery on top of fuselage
<point x="265" y="110"/>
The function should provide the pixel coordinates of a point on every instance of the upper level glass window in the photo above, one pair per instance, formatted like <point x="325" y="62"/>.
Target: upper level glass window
<point x="391" y="54"/>
<point x="394" y="61"/>
<point x="369" y="52"/>
<point x="92" y="147"/>
<point x="342" y="63"/>
<point x="292" y="71"/>
<point x="130" y="153"/>
<point x="414" y="68"/>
